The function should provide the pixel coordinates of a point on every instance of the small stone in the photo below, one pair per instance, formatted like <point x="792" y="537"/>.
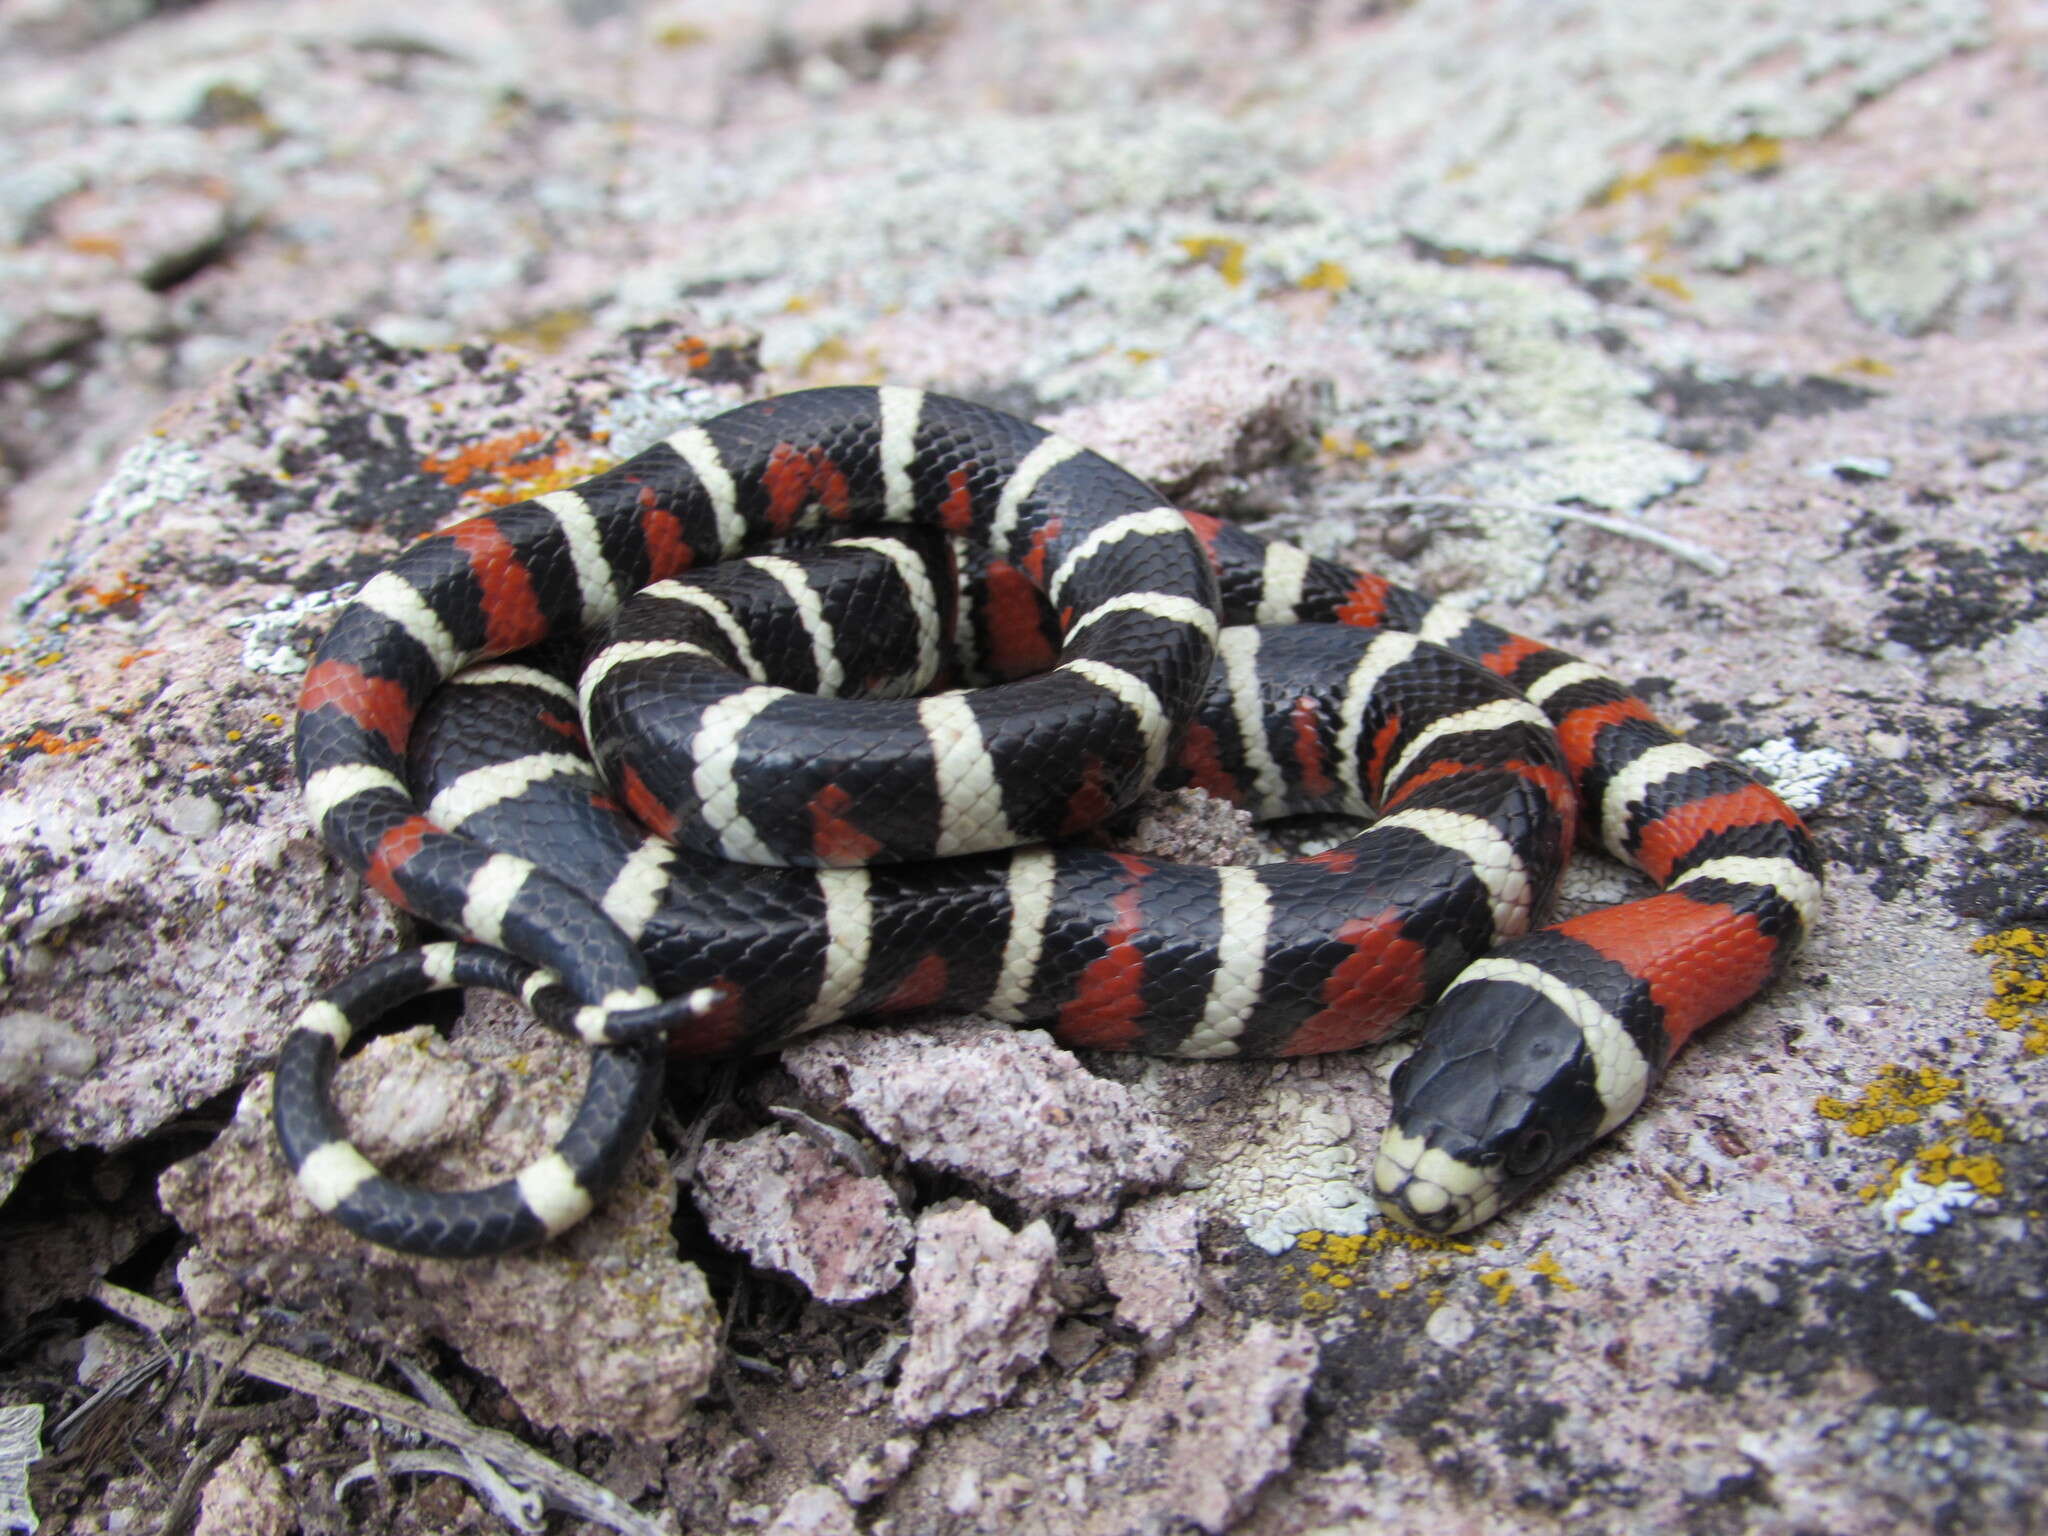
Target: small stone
<point x="1854" y="470"/>
<point x="246" y="1496"/>
<point x="191" y="815"/>
<point x="1218" y="1421"/>
<point x="1151" y="1261"/>
<point x="1450" y="1326"/>
<point x="34" y="1047"/>
<point x="787" y="1203"/>
<point x="981" y="1313"/>
<point x="814" y="1511"/>
<point x="876" y="1471"/>
<point x="1006" y="1108"/>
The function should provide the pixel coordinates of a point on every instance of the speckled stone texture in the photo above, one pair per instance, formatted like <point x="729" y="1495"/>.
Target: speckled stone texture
<point x="981" y="1313"/>
<point x="1768" y="279"/>
<point x="1007" y="1108"/>
<point x="788" y="1204"/>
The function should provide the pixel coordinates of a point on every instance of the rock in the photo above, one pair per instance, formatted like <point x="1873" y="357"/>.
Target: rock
<point x="603" y="1330"/>
<point x="981" y="1313"/>
<point x="1217" y="1423"/>
<point x="1151" y="1263"/>
<point x="246" y="1496"/>
<point x="36" y="1048"/>
<point x="1007" y="1109"/>
<point x="876" y="1471"/>
<point x="786" y="1203"/>
<point x="814" y="1511"/>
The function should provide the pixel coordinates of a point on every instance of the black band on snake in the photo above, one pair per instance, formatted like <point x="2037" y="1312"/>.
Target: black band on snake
<point x="763" y="703"/>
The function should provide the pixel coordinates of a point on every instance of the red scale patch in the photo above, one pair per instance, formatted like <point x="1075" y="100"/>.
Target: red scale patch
<point x="1699" y="958"/>
<point x="1089" y="804"/>
<point x="1310" y="764"/>
<point x="834" y="837"/>
<point x="1518" y="649"/>
<point x="1580" y="730"/>
<point x="513" y="618"/>
<point x="715" y="1032"/>
<point x="1556" y="787"/>
<point x="667" y="550"/>
<point x="1207" y="529"/>
<point x="1201" y="759"/>
<point x="1382" y="753"/>
<point x="1664" y="842"/>
<point x="956" y="513"/>
<point x="1103" y="1012"/>
<point x="1041" y="546"/>
<point x="1370" y="988"/>
<point x="569" y="730"/>
<point x="924" y="986"/>
<point x="391" y="853"/>
<point x="1018" y="643"/>
<point x="796" y="477"/>
<point x="645" y="805"/>
<point x="377" y="704"/>
<point x="1365" y="607"/>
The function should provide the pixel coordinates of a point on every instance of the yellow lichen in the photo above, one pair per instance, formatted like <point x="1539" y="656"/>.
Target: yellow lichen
<point x="1896" y="1096"/>
<point x="1327" y="274"/>
<point x="1749" y="157"/>
<point x="1219" y="251"/>
<point x="2019" y="985"/>
<point x="1543" y="1264"/>
<point x="1501" y="1283"/>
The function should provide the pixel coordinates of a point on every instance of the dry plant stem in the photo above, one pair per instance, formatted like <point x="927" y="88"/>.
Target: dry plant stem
<point x="1671" y="544"/>
<point x="569" y="1490"/>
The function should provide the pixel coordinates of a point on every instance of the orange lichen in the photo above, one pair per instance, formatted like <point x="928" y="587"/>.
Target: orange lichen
<point x="496" y="455"/>
<point x="1543" y="1264"/>
<point x="124" y="588"/>
<point x="1752" y="156"/>
<point x="51" y="745"/>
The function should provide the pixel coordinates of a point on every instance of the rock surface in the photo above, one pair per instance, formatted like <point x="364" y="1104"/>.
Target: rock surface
<point x="981" y="1313"/>
<point x="789" y="1205"/>
<point x="1151" y="1265"/>
<point x="246" y="1496"/>
<point x="1767" y="281"/>
<point x="1006" y="1108"/>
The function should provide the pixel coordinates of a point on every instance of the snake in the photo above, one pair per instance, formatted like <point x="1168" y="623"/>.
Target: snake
<point x="816" y="710"/>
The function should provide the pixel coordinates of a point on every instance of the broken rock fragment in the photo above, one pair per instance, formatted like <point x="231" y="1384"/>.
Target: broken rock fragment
<point x="981" y="1312"/>
<point x="790" y="1205"/>
<point x="1149" y="1260"/>
<point x="1006" y="1108"/>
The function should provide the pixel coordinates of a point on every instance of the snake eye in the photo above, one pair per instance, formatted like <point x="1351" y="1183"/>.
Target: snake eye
<point x="1530" y="1152"/>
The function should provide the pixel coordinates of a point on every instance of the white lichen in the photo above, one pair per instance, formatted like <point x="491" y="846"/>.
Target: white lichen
<point x="1293" y="1171"/>
<point x="270" y="638"/>
<point x="1917" y="1208"/>
<point x="1799" y="775"/>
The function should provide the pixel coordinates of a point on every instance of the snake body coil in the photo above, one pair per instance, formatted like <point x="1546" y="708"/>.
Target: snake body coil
<point x="754" y="705"/>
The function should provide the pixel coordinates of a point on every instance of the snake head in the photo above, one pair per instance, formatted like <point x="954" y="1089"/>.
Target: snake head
<point x="1502" y="1092"/>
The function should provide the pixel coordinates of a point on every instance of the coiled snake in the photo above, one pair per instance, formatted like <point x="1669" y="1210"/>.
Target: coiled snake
<point x="837" y="840"/>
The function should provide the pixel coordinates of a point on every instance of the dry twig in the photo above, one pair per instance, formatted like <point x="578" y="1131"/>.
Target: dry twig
<point x="566" y="1489"/>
